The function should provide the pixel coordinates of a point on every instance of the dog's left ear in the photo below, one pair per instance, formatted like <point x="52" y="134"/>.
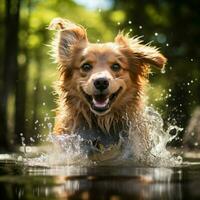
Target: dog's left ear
<point x="141" y="53"/>
<point x="69" y="35"/>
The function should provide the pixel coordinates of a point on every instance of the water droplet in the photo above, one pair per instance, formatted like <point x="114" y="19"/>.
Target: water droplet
<point x="98" y="40"/>
<point x="20" y="158"/>
<point x="50" y="127"/>
<point x="167" y="44"/>
<point x="191" y="59"/>
<point x="118" y="23"/>
<point x="179" y="159"/>
<point x="43" y="103"/>
<point x="156" y="34"/>
<point x="23" y="143"/>
<point x="196" y="144"/>
<point x="99" y="10"/>
<point x="140" y="27"/>
<point x="130" y="29"/>
<point x="44" y="87"/>
<point x="163" y="71"/>
<point x="179" y="172"/>
<point x="129" y="22"/>
<point x="32" y="140"/>
<point x="35" y="88"/>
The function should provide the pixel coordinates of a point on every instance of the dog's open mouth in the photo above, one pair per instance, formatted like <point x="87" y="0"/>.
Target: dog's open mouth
<point x="101" y="102"/>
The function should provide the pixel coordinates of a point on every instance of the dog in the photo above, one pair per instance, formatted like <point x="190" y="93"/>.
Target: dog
<point x="101" y="85"/>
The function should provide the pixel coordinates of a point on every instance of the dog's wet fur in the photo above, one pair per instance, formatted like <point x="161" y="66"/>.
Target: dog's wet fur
<point x="101" y="85"/>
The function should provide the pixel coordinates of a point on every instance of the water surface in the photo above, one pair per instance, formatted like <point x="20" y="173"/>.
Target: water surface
<point x="20" y="181"/>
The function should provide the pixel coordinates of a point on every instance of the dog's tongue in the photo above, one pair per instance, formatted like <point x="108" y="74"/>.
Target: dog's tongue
<point x="100" y="101"/>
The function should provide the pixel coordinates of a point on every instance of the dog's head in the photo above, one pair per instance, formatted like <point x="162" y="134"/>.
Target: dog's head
<point x="104" y="76"/>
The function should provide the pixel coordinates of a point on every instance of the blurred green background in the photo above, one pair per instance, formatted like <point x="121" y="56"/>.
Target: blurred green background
<point x="27" y="72"/>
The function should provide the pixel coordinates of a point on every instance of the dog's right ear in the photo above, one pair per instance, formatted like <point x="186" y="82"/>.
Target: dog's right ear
<point x="69" y="35"/>
<point x="141" y="53"/>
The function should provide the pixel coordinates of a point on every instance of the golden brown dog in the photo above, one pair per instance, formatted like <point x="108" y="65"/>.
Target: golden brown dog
<point x="101" y="84"/>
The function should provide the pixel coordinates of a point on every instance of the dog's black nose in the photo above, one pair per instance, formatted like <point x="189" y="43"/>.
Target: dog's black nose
<point x="101" y="83"/>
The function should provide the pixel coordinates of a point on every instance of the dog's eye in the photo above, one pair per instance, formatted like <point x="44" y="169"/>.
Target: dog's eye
<point x="86" y="67"/>
<point x="116" y="67"/>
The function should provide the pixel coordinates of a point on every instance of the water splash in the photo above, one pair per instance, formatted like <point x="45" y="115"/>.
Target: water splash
<point x="163" y="70"/>
<point x="150" y="149"/>
<point x="23" y="143"/>
<point x="159" y="137"/>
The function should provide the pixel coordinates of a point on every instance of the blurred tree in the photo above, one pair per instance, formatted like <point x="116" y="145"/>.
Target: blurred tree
<point x="10" y="66"/>
<point x="21" y="78"/>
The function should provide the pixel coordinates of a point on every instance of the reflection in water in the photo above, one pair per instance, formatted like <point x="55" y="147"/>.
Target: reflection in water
<point x="137" y="183"/>
<point x="72" y="182"/>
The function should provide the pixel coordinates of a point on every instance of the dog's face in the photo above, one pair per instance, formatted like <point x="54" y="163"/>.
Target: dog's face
<point x="104" y="76"/>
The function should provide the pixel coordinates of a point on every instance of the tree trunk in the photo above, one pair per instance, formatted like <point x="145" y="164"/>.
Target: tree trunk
<point x="10" y="67"/>
<point x="21" y="86"/>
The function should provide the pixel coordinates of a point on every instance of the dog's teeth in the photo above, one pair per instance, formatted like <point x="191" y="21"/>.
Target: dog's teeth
<point x="100" y="104"/>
